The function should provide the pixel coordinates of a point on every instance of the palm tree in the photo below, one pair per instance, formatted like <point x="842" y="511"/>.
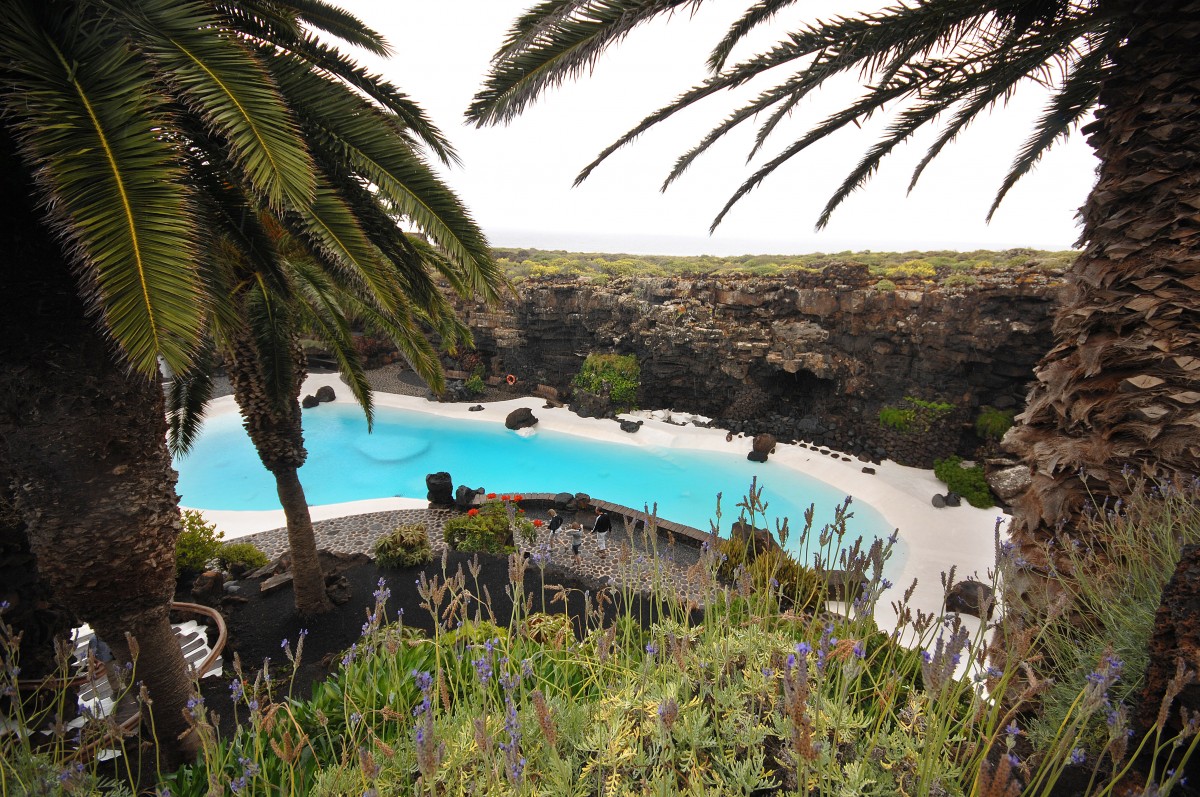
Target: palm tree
<point x="257" y="328"/>
<point x="1119" y="390"/>
<point x="125" y="126"/>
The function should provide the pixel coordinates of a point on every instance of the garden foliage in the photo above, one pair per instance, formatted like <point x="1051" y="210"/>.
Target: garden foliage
<point x="991" y="423"/>
<point x="242" y="555"/>
<point x="744" y="697"/>
<point x="199" y="543"/>
<point x="915" y="416"/>
<point x="404" y="546"/>
<point x="967" y="482"/>
<point x="616" y="376"/>
<point x="747" y="699"/>
<point x="491" y="527"/>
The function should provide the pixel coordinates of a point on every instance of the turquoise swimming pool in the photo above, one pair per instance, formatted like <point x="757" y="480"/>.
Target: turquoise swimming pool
<point x="345" y="463"/>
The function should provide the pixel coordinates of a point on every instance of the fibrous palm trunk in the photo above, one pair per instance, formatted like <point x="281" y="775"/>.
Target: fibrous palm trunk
<point x="1119" y="394"/>
<point x="275" y="429"/>
<point x="84" y="457"/>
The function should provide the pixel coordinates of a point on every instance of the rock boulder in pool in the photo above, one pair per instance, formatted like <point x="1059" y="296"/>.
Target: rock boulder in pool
<point x="325" y="393"/>
<point x="520" y="418"/>
<point x="309" y="402"/>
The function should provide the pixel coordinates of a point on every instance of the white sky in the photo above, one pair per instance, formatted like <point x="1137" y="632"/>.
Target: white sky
<point x="517" y="179"/>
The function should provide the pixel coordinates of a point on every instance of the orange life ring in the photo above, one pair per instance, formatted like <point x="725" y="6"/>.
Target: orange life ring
<point x="512" y="380"/>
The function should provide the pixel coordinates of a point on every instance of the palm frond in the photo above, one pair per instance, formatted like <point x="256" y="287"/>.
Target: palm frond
<point x="320" y="314"/>
<point x="84" y="113"/>
<point x="340" y="23"/>
<point x="937" y="55"/>
<point x="758" y="14"/>
<point x="553" y="42"/>
<point x="1073" y="101"/>
<point x="187" y="396"/>
<point x="219" y="79"/>
<point x="272" y="330"/>
<point x="411" y="116"/>
<point x="362" y="140"/>
<point x="417" y="349"/>
<point x="335" y="238"/>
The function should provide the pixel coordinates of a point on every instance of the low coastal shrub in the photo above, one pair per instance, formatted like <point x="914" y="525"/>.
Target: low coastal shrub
<point x="199" y="544"/>
<point x="243" y="555"/>
<point x="404" y="546"/>
<point x="959" y="281"/>
<point x="885" y="286"/>
<point x="991" y="423"/>
<point x="967" y="482"/>
<point x="616" y="376"/>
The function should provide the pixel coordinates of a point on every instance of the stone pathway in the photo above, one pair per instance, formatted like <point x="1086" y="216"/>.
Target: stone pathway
<point x="634" y="559"/>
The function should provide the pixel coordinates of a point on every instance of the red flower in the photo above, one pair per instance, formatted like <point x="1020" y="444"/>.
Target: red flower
<point x="504" y="498"/>
<point x="472" y="512"/>
<point x="538" y="523"/>
<point x="518" y="498"/>
<point x="491" y="495"/>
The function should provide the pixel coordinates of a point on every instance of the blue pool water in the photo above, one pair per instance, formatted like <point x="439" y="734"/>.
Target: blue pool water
<point x="345" y="463"/>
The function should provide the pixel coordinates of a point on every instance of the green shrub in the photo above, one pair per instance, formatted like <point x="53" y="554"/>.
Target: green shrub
<point x="991" y="423"/>
<point x="616" y="376"/>
<point x="912" y="268"/>
<point x="474" y="385"/>
<point x="198" y="544"/>
<point x="241" y="554"/>
<point x="959" y="281"/>
<point x="798" y="586"/>
<point x="917" y="417"/>
<point x="967" y="482"/>
<point x="404" y="546"/>
<point x="484" y="528"/>
<point x="885" y="286"/>
<point x="897" y="418"/>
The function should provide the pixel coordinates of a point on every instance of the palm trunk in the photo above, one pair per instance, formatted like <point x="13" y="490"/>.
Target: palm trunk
<point x="83" y="452"/>
<point x="307" y="579"/>
<point x="1119" y="394"/>
<point x="274" y="427"/>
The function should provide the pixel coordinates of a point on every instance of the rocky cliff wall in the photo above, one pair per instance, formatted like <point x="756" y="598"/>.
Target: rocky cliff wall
<point x="807" y="356"/>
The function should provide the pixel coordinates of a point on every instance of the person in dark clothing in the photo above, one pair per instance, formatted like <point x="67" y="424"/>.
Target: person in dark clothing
<point x="601" y="528"/>
<point x="555" y="523"/>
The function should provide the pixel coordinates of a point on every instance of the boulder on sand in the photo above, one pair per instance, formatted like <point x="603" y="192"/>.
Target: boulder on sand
<point x="520" y="418"/>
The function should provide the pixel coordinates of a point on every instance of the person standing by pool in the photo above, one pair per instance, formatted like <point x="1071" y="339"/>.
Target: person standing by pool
<point x="554" y="525"/>
<point x="600" y="529"/>
<point x="575" y="530"/>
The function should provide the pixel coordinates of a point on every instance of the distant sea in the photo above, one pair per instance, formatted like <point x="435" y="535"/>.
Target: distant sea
<point x="723" y="246"/>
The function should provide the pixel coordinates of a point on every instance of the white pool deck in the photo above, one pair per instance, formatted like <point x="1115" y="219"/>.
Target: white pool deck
<point x="937" y="539"/>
